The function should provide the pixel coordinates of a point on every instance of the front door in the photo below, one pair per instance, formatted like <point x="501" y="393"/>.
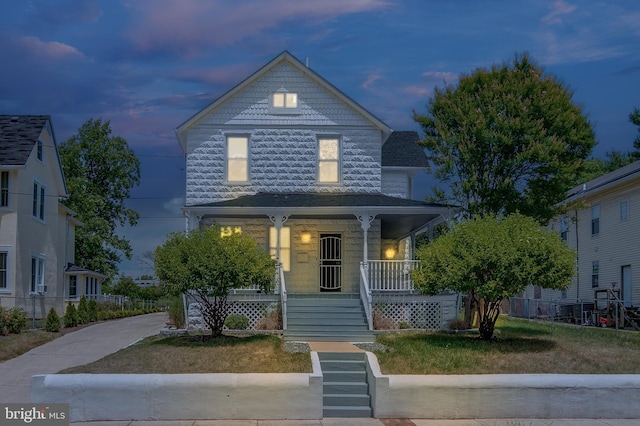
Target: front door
<point x="330" y="262"/>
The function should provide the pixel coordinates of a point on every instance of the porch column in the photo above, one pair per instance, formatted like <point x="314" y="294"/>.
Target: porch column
<point x="365" y="222"/>
<point x="191" y="221"/>
<point x="278" y="220"/>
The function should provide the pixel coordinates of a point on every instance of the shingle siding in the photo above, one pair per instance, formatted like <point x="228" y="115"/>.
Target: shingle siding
<point x="396" y="184"/>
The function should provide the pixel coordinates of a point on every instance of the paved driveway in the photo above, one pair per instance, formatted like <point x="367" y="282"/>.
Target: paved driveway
<point x="78" y="348"/>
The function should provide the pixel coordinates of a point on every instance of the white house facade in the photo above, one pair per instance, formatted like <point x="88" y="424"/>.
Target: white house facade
<point x="36" y="231"/>
<point x="313" y="177"/>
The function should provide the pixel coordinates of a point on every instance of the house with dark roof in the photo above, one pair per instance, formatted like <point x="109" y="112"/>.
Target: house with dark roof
<point x="326" y="187"/>
<point x="36" y="230"/>
<point x="603" y="226"/>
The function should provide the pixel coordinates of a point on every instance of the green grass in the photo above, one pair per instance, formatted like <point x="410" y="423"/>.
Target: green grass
<point x="523" y="347"/>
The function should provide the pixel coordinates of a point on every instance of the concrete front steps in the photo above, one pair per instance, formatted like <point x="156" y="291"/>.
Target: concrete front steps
<point x="326" y="318"/>
<point x="345" y="387"/>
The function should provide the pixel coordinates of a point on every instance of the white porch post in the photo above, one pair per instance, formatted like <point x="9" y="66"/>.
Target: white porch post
<point x="278" y="221"/>
<point x="365" y="222"/>
<point x="191" y="221"/>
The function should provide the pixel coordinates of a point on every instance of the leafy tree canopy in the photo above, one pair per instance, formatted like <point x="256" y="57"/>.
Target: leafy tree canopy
<point x="506" y="139"/>
<point x="491" y="259"/>
<point x="100" y="170"/>
<point x="209" y="266"/>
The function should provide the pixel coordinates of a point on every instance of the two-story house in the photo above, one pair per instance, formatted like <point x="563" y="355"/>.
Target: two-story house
<point x="36" y="230"/>
<point x="316" y="179"/>
<point x="603" y="226"/>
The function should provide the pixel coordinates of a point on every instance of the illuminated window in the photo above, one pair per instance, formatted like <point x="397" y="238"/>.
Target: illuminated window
<point x="227" y="231"/>
<point x="285" y="245"/>
<point x="328" y="160"/>
<point x="237" y="159"/>
<point x="285" y="100"/>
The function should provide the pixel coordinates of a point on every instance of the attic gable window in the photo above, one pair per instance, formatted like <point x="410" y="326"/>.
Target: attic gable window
<point x="284" y="100"/>
<point x="237" y="159"/>
<point x="4" y="189"/>
<point x="39" y="149"/>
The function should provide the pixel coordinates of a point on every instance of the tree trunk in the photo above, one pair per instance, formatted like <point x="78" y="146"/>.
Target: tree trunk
<point x="487" y="327"/>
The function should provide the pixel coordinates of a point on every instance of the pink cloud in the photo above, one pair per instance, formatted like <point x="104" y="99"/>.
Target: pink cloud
<point x="49" y="49"/>
<point x="440" y="77"/>
<point x="418" y="91"/>
<point x="558" y="8"/>
<point x="187" y="27"/>
<point x="370" y="80"/>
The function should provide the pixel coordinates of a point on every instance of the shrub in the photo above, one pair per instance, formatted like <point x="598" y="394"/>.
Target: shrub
<point x="236" y="322"/>
<point x="176" y="312"/>
<point x="83" y="311"/>
<point x="12" y="320"/>
<point x="403" y="325"/>
<point x="71" y="316"/>
<point x="380" y="322"/>
<point x="93" y="310"/>
<point x="271" y="321"/>
<point x="457" y="324"/>
<point x="53" y="321"/>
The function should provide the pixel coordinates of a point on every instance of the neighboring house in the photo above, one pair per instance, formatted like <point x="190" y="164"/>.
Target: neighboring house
<point x="36" y="231"/>
<point x="603" y="226"/>
<point x="314" y="178"/>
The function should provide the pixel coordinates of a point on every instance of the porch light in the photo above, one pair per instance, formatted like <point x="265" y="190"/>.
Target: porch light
<point x="390" y="253"/>
<point x="306" y="237"/>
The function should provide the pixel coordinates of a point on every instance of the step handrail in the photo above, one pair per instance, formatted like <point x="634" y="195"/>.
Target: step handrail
<point x="365" y="294"/>
<point x="283" y="295"/>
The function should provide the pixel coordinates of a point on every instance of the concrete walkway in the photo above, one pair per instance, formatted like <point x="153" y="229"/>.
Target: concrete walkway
<point x="81" y="347"/>
<point x="92" y="343"/>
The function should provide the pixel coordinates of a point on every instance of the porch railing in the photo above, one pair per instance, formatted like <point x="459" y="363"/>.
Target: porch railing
<point x="365" y="294"/>
<point x="391" y="275"/>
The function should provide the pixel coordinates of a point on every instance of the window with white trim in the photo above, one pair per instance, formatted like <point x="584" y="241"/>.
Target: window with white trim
<point x="595" y="220"/>
<point x="624" y="211"/>
<point x="237" y="159"/>
<point x="39" y="149"/>
<point x="91" y="286"/>
<point x="38" y="200"/>
<point x="285" y="245"/>
<point x="4" y="189"/>
<point x="285" y="100"/>
<point x="73" y="287"/>
<point x="37" y="274"/>
<point x="328" y="160"/>
<point x="4" y="269"/>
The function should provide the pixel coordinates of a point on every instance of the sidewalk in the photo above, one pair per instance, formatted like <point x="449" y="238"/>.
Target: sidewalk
<point x="78" y="348"/>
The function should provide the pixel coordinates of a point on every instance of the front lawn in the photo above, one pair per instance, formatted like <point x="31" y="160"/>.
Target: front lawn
<point x="524" y="347"/>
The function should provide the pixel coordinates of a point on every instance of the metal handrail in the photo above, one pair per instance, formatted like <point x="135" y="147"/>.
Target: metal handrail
<point x="283" y="296"/>
<point x="365" y="293"/>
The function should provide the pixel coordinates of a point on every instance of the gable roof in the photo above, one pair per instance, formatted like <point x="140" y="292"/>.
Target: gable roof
<point x="18" y="135"/>
<point x="619" y="176"/>
<point x="402" y="150"/>
<point x="293" y="61"/>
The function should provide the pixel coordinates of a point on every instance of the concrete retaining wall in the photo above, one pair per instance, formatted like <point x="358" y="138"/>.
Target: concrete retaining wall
<point x="579" y="396"/>
<point x="94" y="397"/>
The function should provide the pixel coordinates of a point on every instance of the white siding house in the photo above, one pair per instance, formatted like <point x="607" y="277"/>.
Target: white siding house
<point x="312" y="176"/>
<point x="603" y="226"/>
<point x="36" y="231"/>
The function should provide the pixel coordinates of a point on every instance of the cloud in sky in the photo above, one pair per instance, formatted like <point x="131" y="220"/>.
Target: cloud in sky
<point x="49" y="49"/>
<point x="189" y="28"/>
<point x="559" y="8"/>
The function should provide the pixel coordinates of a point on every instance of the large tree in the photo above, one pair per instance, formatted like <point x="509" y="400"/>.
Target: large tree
<point x="100" y="170"/>
<point x="506" y="139"/>
<point x="208" y="266"/>
<point x="492" y="259"/>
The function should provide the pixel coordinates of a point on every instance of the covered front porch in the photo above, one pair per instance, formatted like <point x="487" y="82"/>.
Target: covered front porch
<point x="331" y="245"/>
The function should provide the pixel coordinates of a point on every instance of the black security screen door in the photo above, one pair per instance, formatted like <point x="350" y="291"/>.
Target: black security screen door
<point x="330" y="262"/>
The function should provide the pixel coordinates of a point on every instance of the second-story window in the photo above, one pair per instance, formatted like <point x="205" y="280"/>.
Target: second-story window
<point x="38" y="200"/>
<point x="329" y="160"/>
<point x="624" y="211"/>
<point x="595" y="220"/>
<point x="4" y="189"/>
<point x="237" y="159"/>
<point x="564" y="227"/>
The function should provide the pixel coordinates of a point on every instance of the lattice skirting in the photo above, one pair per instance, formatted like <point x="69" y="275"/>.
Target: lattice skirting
<point x="400" y="312"/>
<point x="257" y="311"/>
